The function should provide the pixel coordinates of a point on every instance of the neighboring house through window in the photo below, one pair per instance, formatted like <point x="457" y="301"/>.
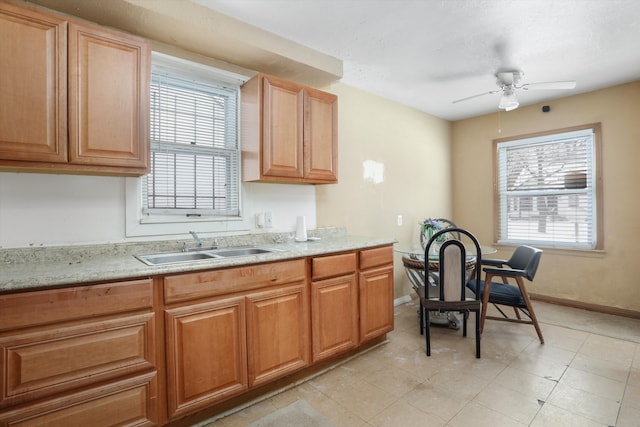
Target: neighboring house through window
<point x="548" y="191"/>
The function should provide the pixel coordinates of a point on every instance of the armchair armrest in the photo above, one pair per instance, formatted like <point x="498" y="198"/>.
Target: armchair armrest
<point x="493" y="262"/>
<point x="504" y="272"/>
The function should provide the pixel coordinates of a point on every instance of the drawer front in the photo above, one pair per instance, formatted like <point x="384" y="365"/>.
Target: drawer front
<point x="59" y="305"/>
<point x="333" y="265"/>
<point x="185" y="287"/>
<point x="375" y="257"/>
<point x="58" y="359"/>
<point x="131" y="402"/>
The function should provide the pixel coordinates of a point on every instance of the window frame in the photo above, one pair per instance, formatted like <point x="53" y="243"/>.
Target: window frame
<point x="139" y="221"/>
<point x="597" y="210"/>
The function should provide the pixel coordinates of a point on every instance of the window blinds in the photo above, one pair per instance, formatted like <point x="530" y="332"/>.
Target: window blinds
<point x="546" y="190"/>
<point x="194" y="147"/>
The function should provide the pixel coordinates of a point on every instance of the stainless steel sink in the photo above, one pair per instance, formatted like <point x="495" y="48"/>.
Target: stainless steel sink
<point x="205" y="254"/>
<point x="224" y="253"/>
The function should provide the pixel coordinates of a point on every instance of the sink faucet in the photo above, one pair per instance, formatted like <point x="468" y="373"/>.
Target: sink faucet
<point x="196" y="238"/>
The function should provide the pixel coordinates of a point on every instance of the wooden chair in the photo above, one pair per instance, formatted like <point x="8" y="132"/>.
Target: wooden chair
<point x="452" y="271"/>
<point x="522" y="264"/>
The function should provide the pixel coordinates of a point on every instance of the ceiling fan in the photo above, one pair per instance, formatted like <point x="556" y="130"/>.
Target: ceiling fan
<point x="508" y="84"/>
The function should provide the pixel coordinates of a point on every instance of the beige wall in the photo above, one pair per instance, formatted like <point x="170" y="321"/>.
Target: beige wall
<point x="414" y="150"/>
<point x="607" y="278"/>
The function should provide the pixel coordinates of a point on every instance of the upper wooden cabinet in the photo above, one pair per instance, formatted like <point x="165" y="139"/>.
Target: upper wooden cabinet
<point x="289" y="132"/>
<point x="75" y="96"/>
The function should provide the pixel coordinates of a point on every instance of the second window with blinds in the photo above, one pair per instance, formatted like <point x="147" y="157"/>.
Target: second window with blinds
<point x="548" y="189"/>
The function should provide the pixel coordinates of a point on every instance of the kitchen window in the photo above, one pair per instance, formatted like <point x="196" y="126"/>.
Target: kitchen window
<point x="548" y="189"/>
<point x="195" y="151"/>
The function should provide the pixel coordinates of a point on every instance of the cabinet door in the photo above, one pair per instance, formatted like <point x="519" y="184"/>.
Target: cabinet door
<point x="130" y="402"/>
<point x="320" y="136"/>
<point x="33" y="86"/>
<point x="334" y="314"/>
<point x="55" y="359"/>
<point x="277" y="333"/>
<point x="376" y="302"/>
<point x="283" y="124"/>
<point x="206" y="353"/>
<point x="108" y="97"/>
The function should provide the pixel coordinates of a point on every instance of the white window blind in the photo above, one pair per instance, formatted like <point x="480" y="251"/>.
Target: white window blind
<point x="195" y="154"/>
<point x="546" y="190"/>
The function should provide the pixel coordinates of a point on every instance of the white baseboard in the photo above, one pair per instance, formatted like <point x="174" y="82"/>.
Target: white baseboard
<point x="401" y="300"/>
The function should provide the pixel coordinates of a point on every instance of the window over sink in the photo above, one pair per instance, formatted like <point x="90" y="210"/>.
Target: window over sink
<point x="195" y="150"/>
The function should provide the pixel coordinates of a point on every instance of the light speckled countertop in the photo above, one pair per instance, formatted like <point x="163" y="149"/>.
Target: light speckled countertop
<point x="32" y="268"/>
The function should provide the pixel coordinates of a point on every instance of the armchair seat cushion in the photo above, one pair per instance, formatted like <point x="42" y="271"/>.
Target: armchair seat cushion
<point x="500" y="293"/>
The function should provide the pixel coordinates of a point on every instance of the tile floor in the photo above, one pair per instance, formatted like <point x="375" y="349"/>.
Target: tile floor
<point x="586" y="374"/>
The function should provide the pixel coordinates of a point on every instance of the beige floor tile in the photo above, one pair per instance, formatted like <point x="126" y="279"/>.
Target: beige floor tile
<point x="628" y="417"/>
<point x="632" y="396"/>
<point x="551" y="352"/>
<point x="480" y="416"/>
<point x="395" y="382"/>
<point x="594" y="384"/>
<point x="609" y="349"/>
<point x="568" y="339"/>
<point x="528" y="384"/>
<point x="636" y="358"/>
<point x="441" y="401"/>
<point x="539" y="366"/>
<point x="403" y="414"/>
<point x="618" y="371"/>
<point x="586" y="404"/>
<point x="360" y="397"/>
<point x="634" y="377"/>
<point x="514" y="405"/>
<point x="551" y="415"/>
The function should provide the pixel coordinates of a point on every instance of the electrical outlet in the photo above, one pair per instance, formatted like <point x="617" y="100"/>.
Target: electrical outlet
<point x="268" y="219"/>
<point x="399" y="220"/>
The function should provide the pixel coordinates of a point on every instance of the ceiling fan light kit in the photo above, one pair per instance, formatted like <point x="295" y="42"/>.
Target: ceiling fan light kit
<point x="508" y="101"/>
<point x="508" y="83"/>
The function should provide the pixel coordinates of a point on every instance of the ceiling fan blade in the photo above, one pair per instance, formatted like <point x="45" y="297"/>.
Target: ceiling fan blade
<point x="476" y="96"/>
<point x="549" y="85"/>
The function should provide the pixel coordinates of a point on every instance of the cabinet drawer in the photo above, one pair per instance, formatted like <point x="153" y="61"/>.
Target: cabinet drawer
<point x="375" y="257"/>
<point x="185" y="287"/>
<point x="57" y="359"/>
<point x="333" y="265"/>
<point x="58" y="305"/>
<point x="131" y="402"/>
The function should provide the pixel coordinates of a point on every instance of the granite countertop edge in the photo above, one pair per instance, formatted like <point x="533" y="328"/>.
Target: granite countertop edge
<point x="47" y="267"/>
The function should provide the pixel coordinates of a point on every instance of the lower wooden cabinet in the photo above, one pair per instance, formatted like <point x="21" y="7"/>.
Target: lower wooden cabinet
<point x="79" y="356"/>
<point x="206" y="353"/>
<point x="130" y="402"/>
<point x="376" y="292"/>
<point x="277" y="333"/>
<point x="334" y="304"/>
<point x="219" y="343"/>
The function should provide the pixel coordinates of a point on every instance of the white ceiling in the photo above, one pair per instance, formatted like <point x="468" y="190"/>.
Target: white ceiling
<point x="428" y="53"/>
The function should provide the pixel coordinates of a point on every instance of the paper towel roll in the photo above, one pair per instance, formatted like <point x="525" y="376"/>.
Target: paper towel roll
<point x="301" y="229"/>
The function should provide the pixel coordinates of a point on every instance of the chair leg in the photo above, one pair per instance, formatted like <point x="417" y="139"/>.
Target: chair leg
<point x="421" y="310"/>
<point x="485" y="299"/>
<point x="428" y="332"/>
<point x="532" y="314"/>
<point x="478" y="334"/>
<point x="465" y="316"/>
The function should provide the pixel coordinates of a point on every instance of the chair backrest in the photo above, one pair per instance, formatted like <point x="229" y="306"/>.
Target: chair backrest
<point x="453" y="263"/>
<point x="526" y="258"/>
